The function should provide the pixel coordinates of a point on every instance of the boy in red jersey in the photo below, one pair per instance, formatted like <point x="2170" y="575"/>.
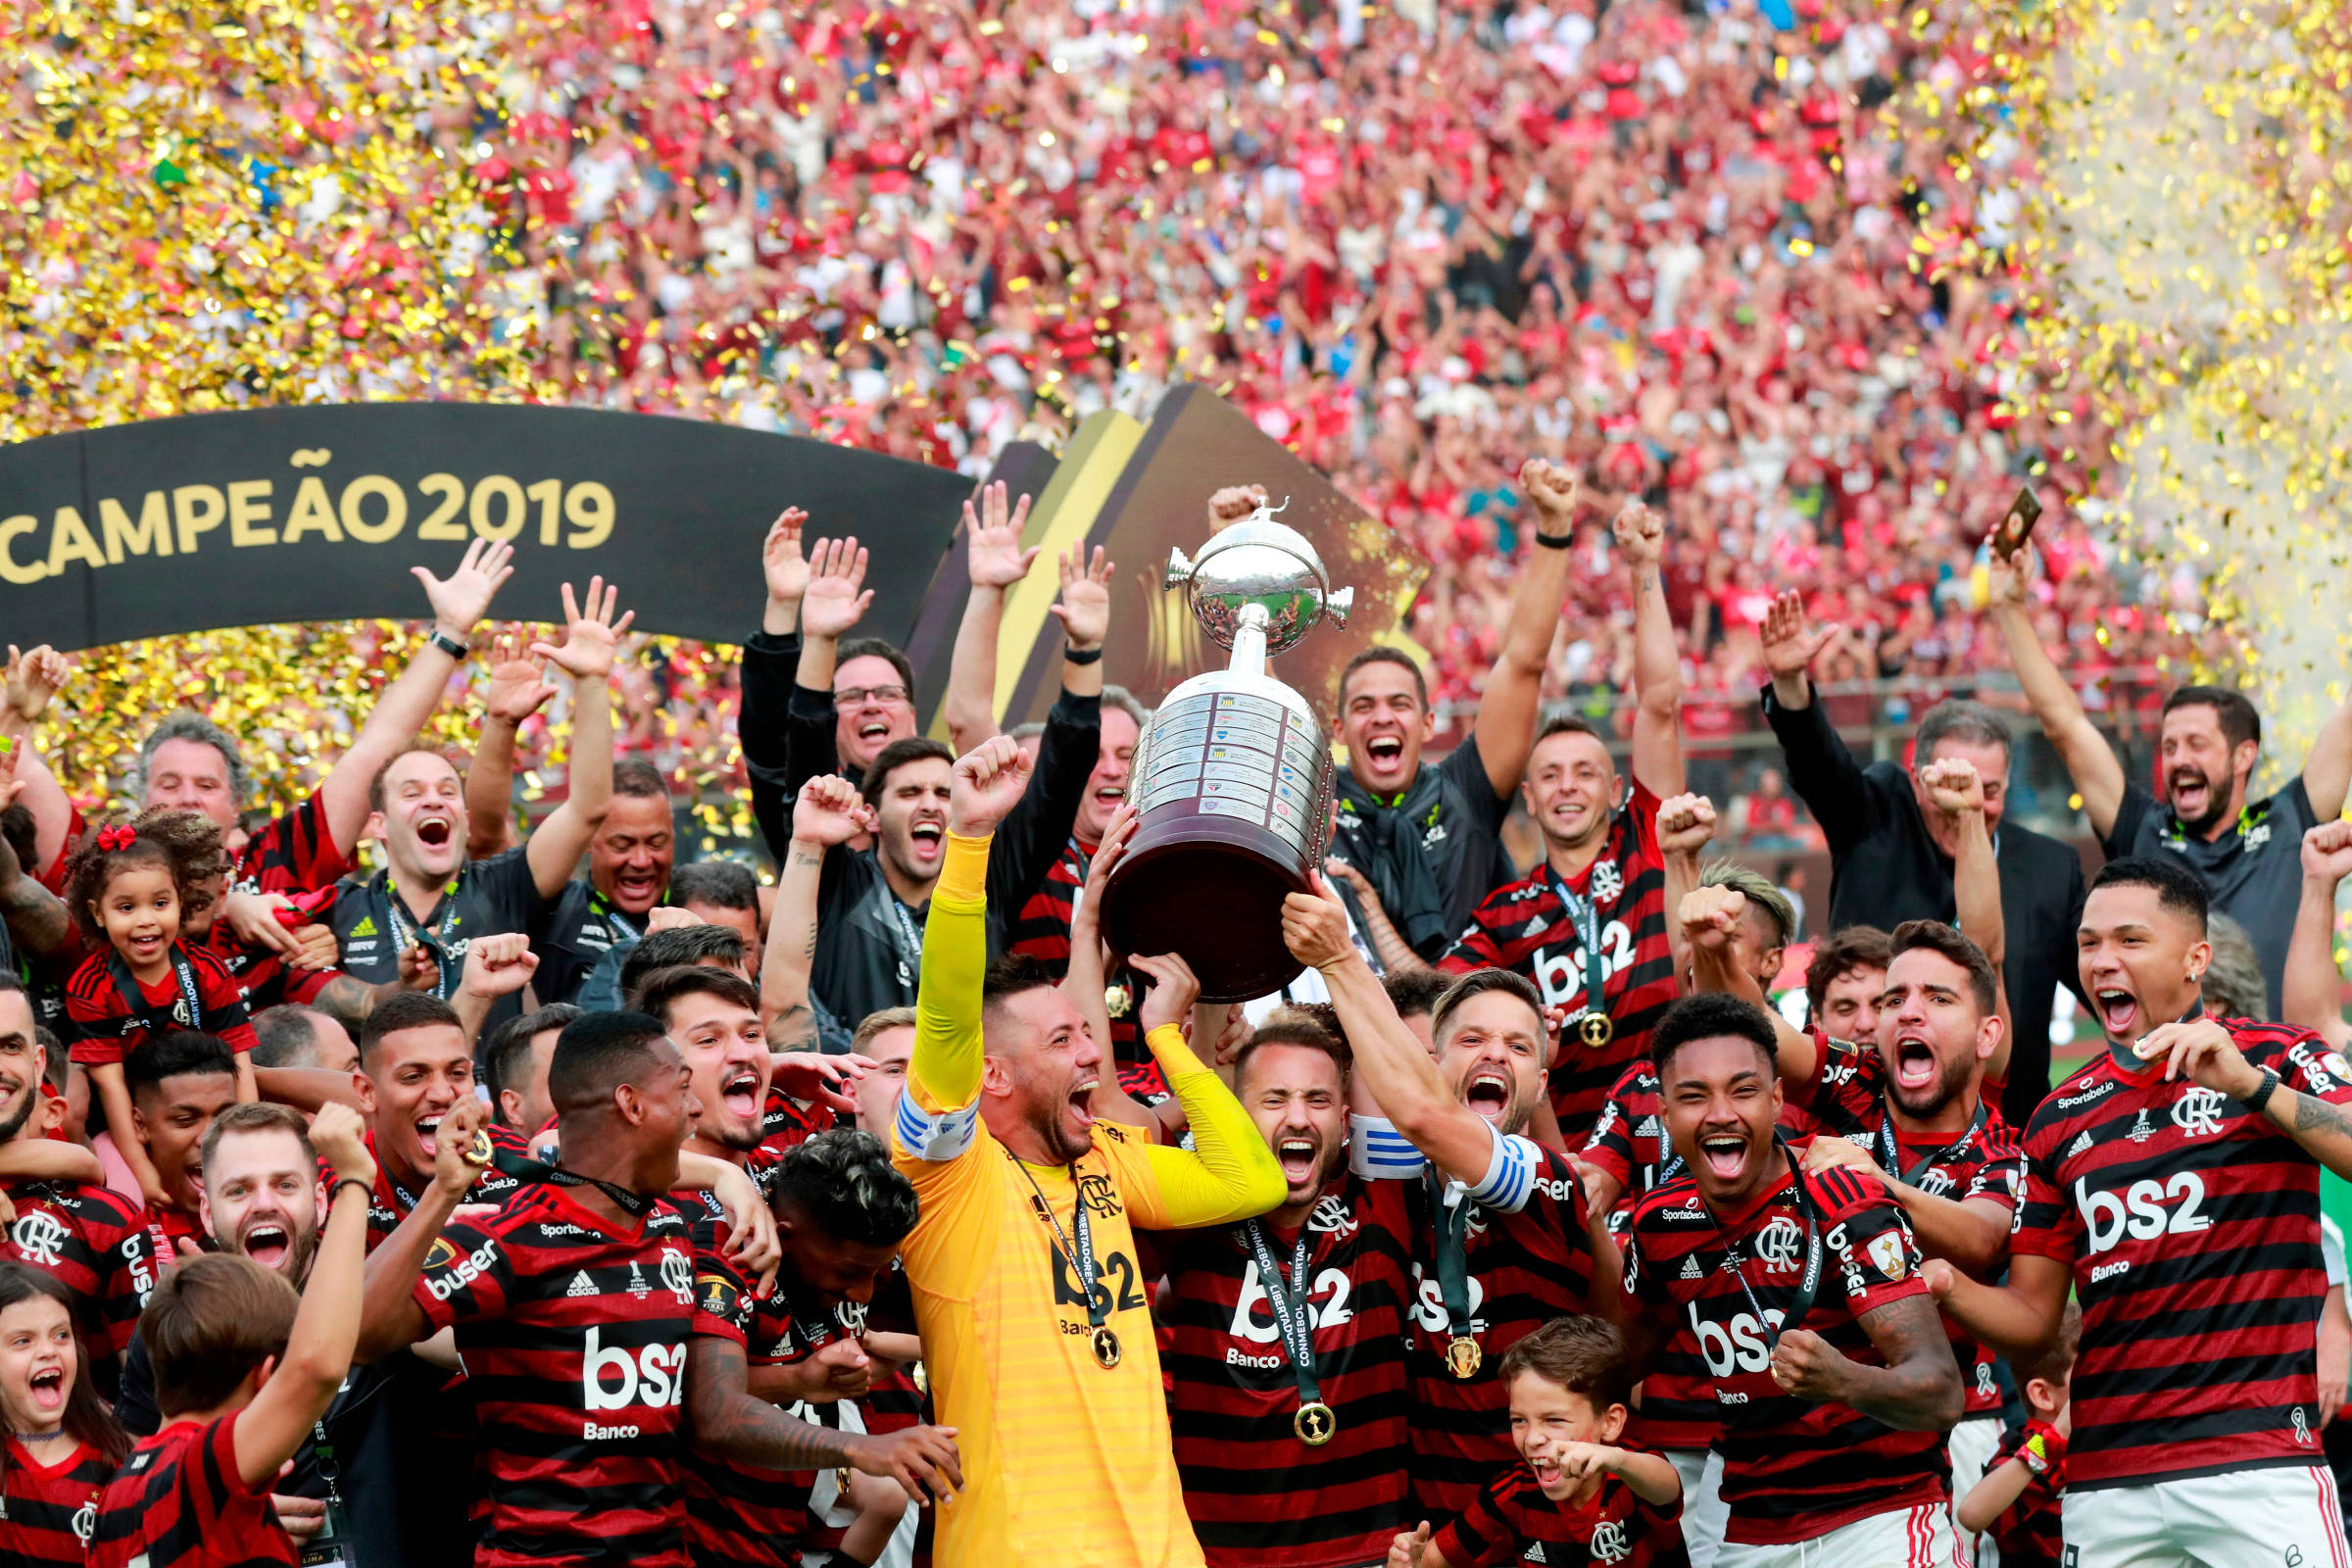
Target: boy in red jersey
<point x="244" y="1368"/>
<point x="2174" y="1182"/>
<point x="2016" y="1505"/>
<point x="1576" y="1499"/>
<point x="1798" y="1294"/>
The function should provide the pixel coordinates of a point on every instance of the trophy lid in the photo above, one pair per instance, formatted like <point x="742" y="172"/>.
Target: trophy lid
<point x="1258" y="561"/>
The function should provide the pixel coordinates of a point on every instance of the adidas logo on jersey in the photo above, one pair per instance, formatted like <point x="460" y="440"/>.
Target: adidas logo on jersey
<point x="1535" y="1553"/>
<point x="2080" y="1145"/>
<point x="365" y="927"/>
<point x="1691" y="1268"/>
<point x="581" y="1284"/>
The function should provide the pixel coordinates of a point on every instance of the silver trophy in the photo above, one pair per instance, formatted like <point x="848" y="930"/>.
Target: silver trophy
<point x="1232" y="781"/>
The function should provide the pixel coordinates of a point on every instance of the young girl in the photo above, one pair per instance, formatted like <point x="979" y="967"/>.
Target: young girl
<point x="60" y="1447"/>
<point x="126" y="889"/>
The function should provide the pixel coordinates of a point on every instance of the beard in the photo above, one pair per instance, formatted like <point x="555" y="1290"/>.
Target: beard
<point x="2217" y="802"/>
<point x="14" y="1122"/>
<point x="1951" y="1081"/>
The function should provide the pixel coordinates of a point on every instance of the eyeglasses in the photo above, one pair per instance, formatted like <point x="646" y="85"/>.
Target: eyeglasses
<point x="851" y="696"/>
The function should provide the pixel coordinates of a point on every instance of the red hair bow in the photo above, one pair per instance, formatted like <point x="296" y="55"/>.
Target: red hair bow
<point x="111" y="839"/>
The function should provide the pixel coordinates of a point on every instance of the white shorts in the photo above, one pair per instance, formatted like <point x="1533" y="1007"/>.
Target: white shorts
<point x="1703" y="1512"/>
<point x="1909" y="1538"/>
<point x="1972" y="1443"/>
<point x="2281" y="1515"/>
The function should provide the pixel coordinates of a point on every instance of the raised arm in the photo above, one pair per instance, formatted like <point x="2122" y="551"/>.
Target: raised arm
<point x="2327" y="769"/>
<point x="944" y="1072"/>
<point x="2311" y="992"/>
<point x="1918" y="1390"/>
<point x="1686" y="826"/>
<point x="1657" y="667"/>
<point x="319" y="1347"/>
<point x="496" y="964"/>
<point x="37" y="920"/>
<point x="1709" y="918"/>
<point x="1505" y="727"/>
<point x="591" y="640"/>
<point x="387" y="1314"/>
<point x="828" y="813"/>
<point x="1388" y="1061"/>
<point x="458" y="600"/>
<point x="834" y="602"/>
<point x="993" y="560"/>
<point x="1229" y="1173"/>
<point x="517" y="689"/>
<point x="1085" y="981"/>
<point x="1820" y="770"/>
<point x="2098" y="776"/>
<point x="33" y="678"/>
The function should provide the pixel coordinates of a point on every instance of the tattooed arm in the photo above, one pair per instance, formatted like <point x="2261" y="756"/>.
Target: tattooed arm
<point x="730" y="1423"/>
<point x="1919" y="1388"/>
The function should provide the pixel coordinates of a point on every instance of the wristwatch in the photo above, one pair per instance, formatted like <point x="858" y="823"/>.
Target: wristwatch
<point x="448" y="643"/>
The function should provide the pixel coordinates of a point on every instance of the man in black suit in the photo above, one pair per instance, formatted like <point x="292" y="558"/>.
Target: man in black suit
<point x="1891" y="852"/>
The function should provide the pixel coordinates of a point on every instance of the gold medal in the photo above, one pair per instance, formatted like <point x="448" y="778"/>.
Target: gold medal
<point x="1595" y="1029"/>
<point x="1107" y="1347"/>
<point x="479" y="1152"/>
<point x="1315" y="1424"/>
<point x="1463" y="1357"/>
<point x="1116" y="1002"/>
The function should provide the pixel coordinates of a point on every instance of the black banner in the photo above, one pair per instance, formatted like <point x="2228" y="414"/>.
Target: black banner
<point x="315" y="514"/>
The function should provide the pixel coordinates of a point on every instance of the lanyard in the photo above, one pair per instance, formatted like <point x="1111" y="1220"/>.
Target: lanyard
<point x="1891" y="1151"/>
<point x="598" y="907"/>
<point x="1734" y="1257"/>
<point x="1288" y="1300"/>
<point x="155" y="1018"/>
<point x="634" y="1205"/>
<point x="1453" y="1264"/>
<point x="911" y="940"/>
<point x="2122" y="1055"/>
<point x="1585" y="915"/>
<point x="437" y="943"/>
<point x="1080" y="1257"/>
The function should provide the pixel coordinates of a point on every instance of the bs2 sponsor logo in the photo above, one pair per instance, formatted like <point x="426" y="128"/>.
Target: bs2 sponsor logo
<point x="1738" y="1346"/>
<point x="2141" y="1211"/>
<point x="618" y="1378"/>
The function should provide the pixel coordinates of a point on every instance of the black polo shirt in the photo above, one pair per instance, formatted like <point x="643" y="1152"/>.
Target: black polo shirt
<point x="491" y="897"/>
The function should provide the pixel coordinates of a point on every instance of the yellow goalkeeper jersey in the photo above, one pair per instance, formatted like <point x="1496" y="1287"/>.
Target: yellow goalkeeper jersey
<point x="1064" y="1461"/>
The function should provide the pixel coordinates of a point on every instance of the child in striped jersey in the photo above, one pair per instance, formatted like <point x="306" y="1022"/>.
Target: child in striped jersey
<point x="61" y="1444"/>
<point x="2017" y="1503"/>
<point x="1575" y="1499"/>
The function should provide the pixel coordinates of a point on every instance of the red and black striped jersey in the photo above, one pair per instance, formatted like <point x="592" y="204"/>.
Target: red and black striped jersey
<point x="102" y="1029"/>
<point x="48" y="1513"/>
<point x="511" y="1163"/>
<point x="785" y="1123"/>
<point x="895" y="1401"/>
<point x="1512" y="1520"/>
<point x="1527" y="1265"/>
<point x="1846" y="1098"/>
<point x="574" y="1344"/>
<point x="2027" y="1532"/>
<point x="1629" y="1142"/>
<point x="99" y="1246"/>
<point x="2193" y="1232"/>
<point x="1041" y="929"/>
<point x="265" y="978"/>
<point x="1792" y="1470"/>
<point x="1256" y="1493"/>
<point x="1525" y="927"/>
<point x="740" y="1515"/>
<point x="178" y="1500"/>
<point x="292" y="854"/>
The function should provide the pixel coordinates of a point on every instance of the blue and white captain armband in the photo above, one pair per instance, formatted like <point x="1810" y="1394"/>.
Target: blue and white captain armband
<point x="1377" y="1151"/>
<point x="935" y="1135"/>
<point x="1510" y="1173"/>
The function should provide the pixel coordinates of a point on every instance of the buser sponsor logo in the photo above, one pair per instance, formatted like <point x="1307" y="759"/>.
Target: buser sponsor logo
<point x="463" y="1271"/>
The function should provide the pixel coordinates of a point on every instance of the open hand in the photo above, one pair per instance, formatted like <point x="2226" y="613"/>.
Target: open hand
<point x="1084" y="609"/>
<point x="781" y="561"/>
<point x="591" y="637"/>
<point x="1791" y="640"/>
<point x="993" y="557"/>
<point x="33" y="678"/>
<point x="463" y="598"/>
<point x="814" y="1076"/>
<point x="518" y="686"/>
<point x="837" y="595"/>
<point x="923" y="1460"/>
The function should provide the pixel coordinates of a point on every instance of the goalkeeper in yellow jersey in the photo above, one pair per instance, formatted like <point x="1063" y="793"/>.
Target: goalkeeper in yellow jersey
<point x="1036" y="1320"/>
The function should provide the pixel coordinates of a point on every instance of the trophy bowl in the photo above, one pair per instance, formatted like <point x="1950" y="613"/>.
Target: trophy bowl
<point x="1231" y="782"/>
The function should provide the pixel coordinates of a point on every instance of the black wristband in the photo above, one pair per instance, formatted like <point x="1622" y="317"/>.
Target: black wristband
<point x="448" y="644"/>
<point x="1082" y="656"/>
<point x="2262" y="1097"/>
<point x="1551" y="541"/>
<point x="366" y="1189"/>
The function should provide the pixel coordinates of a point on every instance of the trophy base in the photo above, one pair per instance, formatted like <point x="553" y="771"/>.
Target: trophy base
<point x="1211" y="890"/>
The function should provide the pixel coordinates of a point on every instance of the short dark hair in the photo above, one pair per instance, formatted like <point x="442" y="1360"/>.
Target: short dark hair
<point x="1707" y="1016"/>
<point x="876" y="647"/>
<point x="1377" y="653"/>
<point x="2177" y="887"/>
<point x="1840" y="953"/>
<point x="375" y="785"/>
<point x="1477" y="983"/>
<point x="405" y="1010"/>
<point x="210" y="1321"/>
<point x="665" y="986"/>
<point x="679" y="944"/>
<point x="1013" y="975"/>
<point x="634" y="776"/>
<point x="17" y="828"/>
<point x="511" y="1042"/>
<point x="597" y="1052"/>
<point x="1292" y="1027"/>
<point x="1583" y="1355"/>
<point x="843" y="1180"/>
<point x="2237" y="717"/>
<point x="1983" y="981"/>
<point x="57" y="1062"/>
<point x="722" y="884"/>
<point x="897" y="754"/>
<point x="283" y="1035"/>
<point x="257" y="1117"/>
<point x="178" y="1053"/>
<point x="1414" y="992"/>
<point x="1960" y="718"/>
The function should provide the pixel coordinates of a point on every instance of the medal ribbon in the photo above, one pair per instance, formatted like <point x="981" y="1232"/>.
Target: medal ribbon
<point x="1734" y="1254"/>
<point x="1080" y="1257"/>
<point x="634" y="1205"/>
<point x="387" y="901"/>
<point x="1453" y="1264"/>
<point x="1891" y="1153"/>
<point x="1585" y="915"/>
<point x="1288" y="1300"/>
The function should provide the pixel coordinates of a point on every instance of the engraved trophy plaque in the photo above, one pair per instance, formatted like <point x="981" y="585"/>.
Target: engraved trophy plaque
<point x="1232" y="781"/>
